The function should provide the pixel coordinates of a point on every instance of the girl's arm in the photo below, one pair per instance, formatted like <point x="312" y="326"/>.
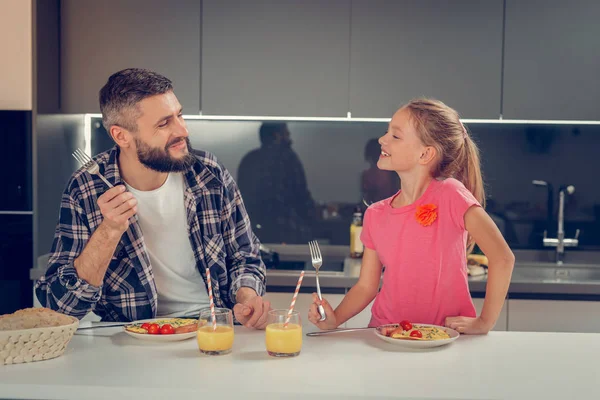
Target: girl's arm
<point x="357" y="298"/>
<point x="501" y="262"/>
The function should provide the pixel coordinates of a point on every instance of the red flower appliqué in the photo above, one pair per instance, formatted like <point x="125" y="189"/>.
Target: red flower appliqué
<point x="426" y="214"/>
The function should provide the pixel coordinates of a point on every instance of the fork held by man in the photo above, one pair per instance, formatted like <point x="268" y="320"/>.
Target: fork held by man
<point x="89" y="164"/>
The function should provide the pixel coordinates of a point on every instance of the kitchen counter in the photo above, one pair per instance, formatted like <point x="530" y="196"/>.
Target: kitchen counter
<point x="520" y="287"/>
<point x="530" y="280"/>
<point x="107" y="363"/>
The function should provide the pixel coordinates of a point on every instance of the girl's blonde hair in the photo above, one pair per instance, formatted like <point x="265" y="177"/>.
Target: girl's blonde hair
<point x="439" y="126"/>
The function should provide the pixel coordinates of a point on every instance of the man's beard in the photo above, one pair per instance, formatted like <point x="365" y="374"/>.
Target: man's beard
<point x="160" y="160"/>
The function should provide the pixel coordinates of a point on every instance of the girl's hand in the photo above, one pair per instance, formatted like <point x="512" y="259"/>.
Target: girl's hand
<point x="314" y="316"/>
<point x="468" y="325"/>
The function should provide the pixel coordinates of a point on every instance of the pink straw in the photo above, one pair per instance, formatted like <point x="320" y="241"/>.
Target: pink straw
<point x="289" y="315"/>
<point x="210" y="299"/>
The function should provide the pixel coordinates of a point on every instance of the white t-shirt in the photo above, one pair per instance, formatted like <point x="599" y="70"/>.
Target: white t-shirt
<point x="162" y="217"/>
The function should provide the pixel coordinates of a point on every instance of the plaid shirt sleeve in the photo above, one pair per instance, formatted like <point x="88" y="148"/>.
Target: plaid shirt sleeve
<point x="245" y="266"/>
<point x="60" y="288"/>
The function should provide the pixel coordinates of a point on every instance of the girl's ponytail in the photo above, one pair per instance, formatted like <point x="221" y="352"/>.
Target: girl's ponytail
<point x="470" y="175"/>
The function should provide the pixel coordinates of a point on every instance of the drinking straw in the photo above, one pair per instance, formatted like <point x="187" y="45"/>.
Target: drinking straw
<point x="289" y="315"/>
<point x="210" y="299"/>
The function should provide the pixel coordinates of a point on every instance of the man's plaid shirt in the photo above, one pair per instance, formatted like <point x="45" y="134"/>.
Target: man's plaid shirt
<point x="219" y="231"/>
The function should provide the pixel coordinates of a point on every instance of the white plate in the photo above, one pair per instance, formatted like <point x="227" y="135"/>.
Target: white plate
<point x="419" y="344"/>
<point x="159" y="338"/>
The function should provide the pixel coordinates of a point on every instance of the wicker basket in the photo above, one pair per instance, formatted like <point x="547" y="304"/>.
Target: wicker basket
<point x="36" y="344"/>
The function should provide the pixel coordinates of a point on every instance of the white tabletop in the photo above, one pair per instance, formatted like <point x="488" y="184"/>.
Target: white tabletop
<point x="106" y="364"/>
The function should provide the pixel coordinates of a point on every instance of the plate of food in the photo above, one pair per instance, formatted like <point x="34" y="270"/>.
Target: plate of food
<point x="164" y="329"/>
<point x="419" y="336"/>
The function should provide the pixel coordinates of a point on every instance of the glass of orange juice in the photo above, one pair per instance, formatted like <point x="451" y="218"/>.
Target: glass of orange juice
<point x="217" y="341"/>
<point x="283" y="340"/>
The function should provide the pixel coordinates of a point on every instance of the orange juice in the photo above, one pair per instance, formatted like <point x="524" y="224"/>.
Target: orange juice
<point x="219" y="341"/>
<point x="283" y="341"/>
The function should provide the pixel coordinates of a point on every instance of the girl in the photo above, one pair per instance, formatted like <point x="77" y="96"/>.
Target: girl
<point x="424" y="232"/>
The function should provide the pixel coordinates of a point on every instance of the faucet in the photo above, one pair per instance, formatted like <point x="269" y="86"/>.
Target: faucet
<point x="560" y="242"/>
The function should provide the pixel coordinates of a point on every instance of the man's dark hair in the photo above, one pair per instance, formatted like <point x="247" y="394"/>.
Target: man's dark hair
<point x="124" y="90"/>
<point x="269" y="130"/>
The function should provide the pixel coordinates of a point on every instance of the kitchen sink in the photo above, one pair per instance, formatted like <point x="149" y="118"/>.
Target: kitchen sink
<point x="551" y="272"/>
<point x="548" y="257"/>
<point x="540" y="266"/>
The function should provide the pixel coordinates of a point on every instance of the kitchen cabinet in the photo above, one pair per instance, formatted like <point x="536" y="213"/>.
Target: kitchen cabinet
<point x="233" y="57"/>
<point x="16" y="163"/>
<point x="502" y="323"/>
<point x="303" y="301"/>
<point x="554" y="316"/>
<point x="277" y="58"/>
<point x="450" y="51"/>
<point x="16" y="249"/>
<point x="99" y="38"/>
<point x="47" y="56"/>
<point x="551" y="60"/>
<point x="361" y="319"/>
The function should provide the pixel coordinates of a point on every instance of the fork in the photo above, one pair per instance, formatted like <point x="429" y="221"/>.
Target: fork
<point x="89" y="164"/>
<point x="317" y="261"/>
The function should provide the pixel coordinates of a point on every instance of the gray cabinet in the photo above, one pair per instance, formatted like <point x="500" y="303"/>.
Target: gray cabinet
<point x="451" y="51"/>
<point x="274" y="57"/>
<point x="362" y="319"/>
<point x="502" y="322"/>
<point x="552" y="60"/>
<point x="102" y="37"/>
<point x="47" y="56"/>
<point x="553" y="316"/>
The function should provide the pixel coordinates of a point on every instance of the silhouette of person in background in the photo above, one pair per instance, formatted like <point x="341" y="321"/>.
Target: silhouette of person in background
<point x="377" y="184"/>
<point x="273" y="184"/>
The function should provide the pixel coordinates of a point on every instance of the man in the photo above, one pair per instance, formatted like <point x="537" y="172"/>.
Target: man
<point x="273" y="183"/>
<point x="141" y="249"/>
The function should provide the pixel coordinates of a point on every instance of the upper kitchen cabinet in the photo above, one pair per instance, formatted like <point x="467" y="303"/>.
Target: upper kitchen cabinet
<point x="47" y="56"/>
<point x="100" y="38"/>
<point x="16" y="55"/>
<point x="273" y="57"/>
<point x="451" y="51"/>
<point x="552" y="60"/>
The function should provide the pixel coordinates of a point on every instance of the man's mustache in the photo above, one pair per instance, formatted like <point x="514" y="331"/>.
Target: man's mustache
<point x="177" y="141"/>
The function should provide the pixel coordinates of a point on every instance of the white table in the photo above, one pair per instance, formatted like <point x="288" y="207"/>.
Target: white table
<point x="107" y="364"/>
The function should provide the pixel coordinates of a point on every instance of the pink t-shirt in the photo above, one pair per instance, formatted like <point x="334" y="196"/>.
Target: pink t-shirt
<point x="425" y="276"/>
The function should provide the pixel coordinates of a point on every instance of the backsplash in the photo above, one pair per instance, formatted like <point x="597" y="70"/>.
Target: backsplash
<point x="333" y="158"/>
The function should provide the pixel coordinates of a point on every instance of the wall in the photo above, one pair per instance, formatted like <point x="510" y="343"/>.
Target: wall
<point x="337" y="145"/>
<point x="16" y="52"/>
<point x="512" y="156"/>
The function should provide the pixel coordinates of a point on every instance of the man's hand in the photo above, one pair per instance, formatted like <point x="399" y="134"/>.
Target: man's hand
<point x="251" y="310"/>
<point x="117" y="206"/>
<point x="468" y="325"/>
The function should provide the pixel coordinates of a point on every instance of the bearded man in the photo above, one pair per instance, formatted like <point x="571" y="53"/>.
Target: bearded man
<point x="139" y="247"/>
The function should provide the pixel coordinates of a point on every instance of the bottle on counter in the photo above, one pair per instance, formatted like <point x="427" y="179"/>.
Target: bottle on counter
<point x="356" y="246"/>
